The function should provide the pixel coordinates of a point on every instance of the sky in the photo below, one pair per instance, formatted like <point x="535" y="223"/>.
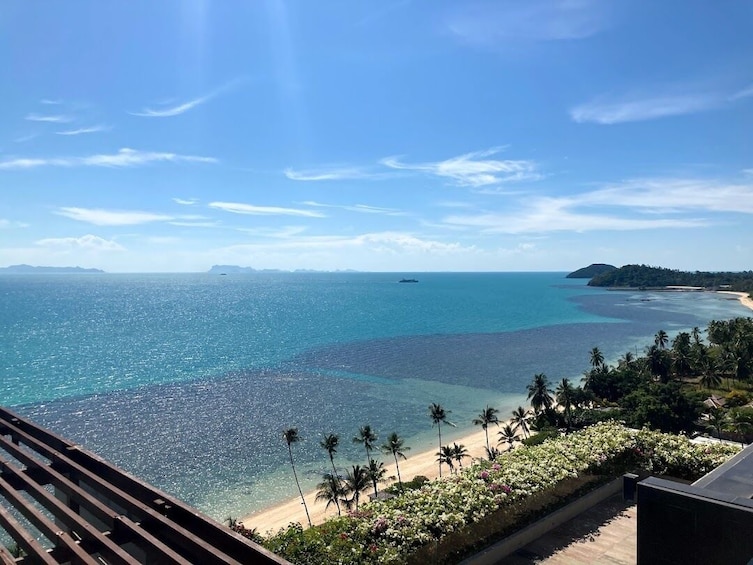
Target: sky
<point x="399" y="135"/>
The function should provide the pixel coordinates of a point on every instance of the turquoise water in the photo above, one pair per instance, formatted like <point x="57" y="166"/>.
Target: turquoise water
<point x="188" y="380"/>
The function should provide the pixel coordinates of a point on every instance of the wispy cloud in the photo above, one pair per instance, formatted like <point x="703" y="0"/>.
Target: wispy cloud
<point x="49" y="101"/>
<point x="284" y="232"/>
<point x="362" y="208"/>
<point x="637" y="108"/>
<point x="176" y="110"/>
<point x="240" y="208"/>
<point x="499" y="22"/>
<point x="638" y="204"/>
<point x="185" y="201"/>
<point x="84" y="243"/>
<point x="57" y="118"/>
<point x="334" y="173"/>
<point x="6" y="224"/>
<point x="387" y="243"/>
<point x="123" y="158"/>
<point x="79" y="131"/>
<point x="473" y="169"/>
<point x="100" y="217"/>
<point x="744" y="93"/>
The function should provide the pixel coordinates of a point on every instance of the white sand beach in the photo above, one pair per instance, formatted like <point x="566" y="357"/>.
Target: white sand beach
<point x="743" y="297"/>
<point x="424" y="463"/>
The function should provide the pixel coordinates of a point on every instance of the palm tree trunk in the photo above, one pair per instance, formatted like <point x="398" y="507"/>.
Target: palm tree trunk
<point x="295" y="475"/>
<point x="439" y="429"/>
<point x="397" y="467"/>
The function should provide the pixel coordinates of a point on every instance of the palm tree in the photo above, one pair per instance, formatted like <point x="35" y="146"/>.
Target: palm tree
<point x="539" y="393"/>
<point x="597" y="358"/>
<point x="356" y="481"/>
<point x="396" y="445"/>
<point x="521" y="418"/>
<point x="739" y="422"/>
<point x="291" y="436"/>
<point x="661" y="339"/>
<point x="446" y="455"/>
<point x="376" y="473"/>
<point x="330" y="490"/>
<point x="329" y="443"/>
<point x="487" y="416"/>
<point x="565" y="395"/>
<point x="717" y="421"/>
<point x="492" y="453"/>
<point x="507" y="434"/>
<point x="367" y="437"/>
<point x="439" y="416"/>
<point x="459" y="452"/>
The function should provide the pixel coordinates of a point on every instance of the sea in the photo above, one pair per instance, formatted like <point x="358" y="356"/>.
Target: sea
<point x="187" y="380"/>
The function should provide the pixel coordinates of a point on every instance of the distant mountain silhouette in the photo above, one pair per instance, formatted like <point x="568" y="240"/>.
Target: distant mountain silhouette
<point x="29" y="269"/>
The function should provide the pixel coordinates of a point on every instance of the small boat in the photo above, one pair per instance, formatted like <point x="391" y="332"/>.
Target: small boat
<point x="408" y="281"/>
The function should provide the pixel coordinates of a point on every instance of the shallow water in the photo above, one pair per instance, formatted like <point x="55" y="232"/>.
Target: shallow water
<point x="188" y="380"/>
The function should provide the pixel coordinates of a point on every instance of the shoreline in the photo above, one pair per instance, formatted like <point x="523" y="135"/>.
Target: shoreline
<point x="743" y="297"/>
<point x="282" y="514"/>
<point x="424" y="463"/>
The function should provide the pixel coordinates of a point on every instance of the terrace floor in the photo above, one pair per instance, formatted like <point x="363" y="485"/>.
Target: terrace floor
<point x="603" y="535"/>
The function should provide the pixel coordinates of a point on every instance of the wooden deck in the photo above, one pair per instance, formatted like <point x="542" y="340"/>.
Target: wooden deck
<point x="62" y="504"/>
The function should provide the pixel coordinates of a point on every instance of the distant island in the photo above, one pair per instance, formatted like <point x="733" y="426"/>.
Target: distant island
<point x="591" y="271"/>
<point x="643" y="276"/>
<point x="235" y="270"/>
<point x="30" y="269"/>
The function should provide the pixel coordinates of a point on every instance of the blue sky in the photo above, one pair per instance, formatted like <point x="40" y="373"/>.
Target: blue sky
<point x="397" y="135"/>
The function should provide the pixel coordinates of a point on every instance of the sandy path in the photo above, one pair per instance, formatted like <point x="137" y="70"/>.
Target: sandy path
<point x="424" y="463"/>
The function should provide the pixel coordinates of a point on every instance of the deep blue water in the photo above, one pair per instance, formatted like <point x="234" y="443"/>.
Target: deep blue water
<point x="188" y="380"/>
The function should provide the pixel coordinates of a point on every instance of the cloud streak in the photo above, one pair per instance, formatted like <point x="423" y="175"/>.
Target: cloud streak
<point x="344" y="173"/>
<point x="250" y="209"/>
<point x="638" y="204"/>
<point x="501" y="22"/>
<point x="636" y="109"/>
<point x="87" y="242"/>
<point x="123" y="158"/>
<point x="80" y="131"/>
<point x="472" y="169"/>
<point x="177" y="110"/>
<point x="56" y="118"/>
<point x="361" y="208"/>
<point x="100" y="217"/>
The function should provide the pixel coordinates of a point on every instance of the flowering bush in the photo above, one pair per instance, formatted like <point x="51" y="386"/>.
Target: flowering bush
<point x="388" y="531"/>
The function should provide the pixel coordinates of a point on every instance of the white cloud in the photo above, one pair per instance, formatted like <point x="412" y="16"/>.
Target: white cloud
<point x="123" y="158"/>
<point x="638" y="204"/>
<point x="499" y="22"/>
<point x="635" y="108"/>
<point x="473" y="169"/>
<point x="85" y="243"/>
<point x="239" y="208"/>
<point x="391" y="243"/>
<point x="10" y="224"/>
<point x="100" y="217"/>
<point x="58" y="119"/>
<point x="744" y="93"/>
<point x="323" y="174"/>
<point x="185" y="201"/>
<point x="284" y="232"/>
<point x="170" y="111"/>
<point x="79" y="131"/>
<point x="362" y="208"/>
<point x="48" y="101"/>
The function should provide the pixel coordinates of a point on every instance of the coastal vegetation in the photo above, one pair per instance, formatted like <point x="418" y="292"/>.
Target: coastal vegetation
<point x="633" y="415"/>
<point x="591" y="271"/>
<point x="435" y="522"/>
<point x="644" y="276"/>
